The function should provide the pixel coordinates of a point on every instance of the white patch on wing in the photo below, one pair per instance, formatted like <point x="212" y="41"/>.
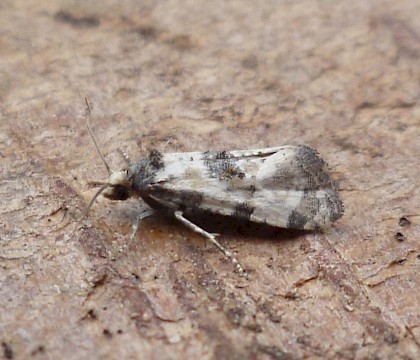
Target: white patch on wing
<point x="274" y="206"/>
<point x="277" y="164"/>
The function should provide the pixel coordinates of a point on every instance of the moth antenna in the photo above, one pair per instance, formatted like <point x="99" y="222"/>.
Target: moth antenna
<point x="93" y="137"/>
<point x="125" y="156"/>
<point x="103" y="187"/>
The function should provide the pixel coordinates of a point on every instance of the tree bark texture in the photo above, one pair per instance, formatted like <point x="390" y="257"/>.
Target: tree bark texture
<point x="339" y="76"/>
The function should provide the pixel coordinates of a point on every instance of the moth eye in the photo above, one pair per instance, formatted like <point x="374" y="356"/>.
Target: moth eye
<point x="118" y="192"/>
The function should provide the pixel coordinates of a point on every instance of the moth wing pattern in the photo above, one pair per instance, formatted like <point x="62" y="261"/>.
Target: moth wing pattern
<point x="296" y="181"/>
<point x="286" y="186"/>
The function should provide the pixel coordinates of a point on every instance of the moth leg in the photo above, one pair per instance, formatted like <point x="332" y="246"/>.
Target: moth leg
<point x="142" y="215"/>
<point x="212" y="237"/>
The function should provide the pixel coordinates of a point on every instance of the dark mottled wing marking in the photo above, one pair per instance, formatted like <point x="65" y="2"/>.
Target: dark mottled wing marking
<point x="189" y="200"/>
<point x="243" y="212"/>
<point x="222" y="165"/>
<point x="156" y="160"/>
<point x="296" y="220"/>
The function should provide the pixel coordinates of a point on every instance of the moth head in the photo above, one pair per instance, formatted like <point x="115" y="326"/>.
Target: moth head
<point x="118" y="186"/>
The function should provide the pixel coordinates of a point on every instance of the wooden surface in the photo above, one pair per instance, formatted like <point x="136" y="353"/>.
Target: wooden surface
<point x="340" y="76"/>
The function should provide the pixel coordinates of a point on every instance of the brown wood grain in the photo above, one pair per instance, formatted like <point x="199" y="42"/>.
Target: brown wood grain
<point x="339" y="76"/>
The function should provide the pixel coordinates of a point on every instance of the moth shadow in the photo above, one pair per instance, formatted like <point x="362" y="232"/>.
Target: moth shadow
<point x="230" y="226"/>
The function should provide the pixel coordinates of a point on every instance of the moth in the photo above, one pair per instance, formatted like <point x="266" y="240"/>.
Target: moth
<point x="286" y="186"/>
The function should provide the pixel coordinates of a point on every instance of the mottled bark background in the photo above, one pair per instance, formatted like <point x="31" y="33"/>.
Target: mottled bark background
<point x="340" y="76"/>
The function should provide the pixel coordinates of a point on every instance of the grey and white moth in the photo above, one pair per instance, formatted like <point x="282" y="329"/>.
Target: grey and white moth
<point x="286" y="186"/>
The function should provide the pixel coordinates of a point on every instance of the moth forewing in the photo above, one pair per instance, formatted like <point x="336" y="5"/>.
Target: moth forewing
<point x="287" y="186"/>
